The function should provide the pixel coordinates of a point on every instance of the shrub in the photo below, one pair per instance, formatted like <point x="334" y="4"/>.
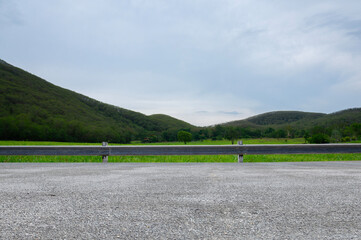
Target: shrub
<point x="319" y="138"/>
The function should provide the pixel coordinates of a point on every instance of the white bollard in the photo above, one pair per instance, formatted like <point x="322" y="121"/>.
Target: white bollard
<point x="240" y="156"/>
<point x="105" y="157"/>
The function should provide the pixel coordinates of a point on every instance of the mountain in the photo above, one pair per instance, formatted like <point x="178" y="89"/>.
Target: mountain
<point x="283" y="117"/>
<point x="170" y="122"/>
<point x="34" y="109"/>
<point x="337" y="119"/>
<point x="276" y="118"/>
<point x="300" y="120"/>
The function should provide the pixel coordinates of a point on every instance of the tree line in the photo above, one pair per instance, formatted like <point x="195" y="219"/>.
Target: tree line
<point x="27" y="127"/>
<point x="317" y="134"/>
<point x="57" y="129"/>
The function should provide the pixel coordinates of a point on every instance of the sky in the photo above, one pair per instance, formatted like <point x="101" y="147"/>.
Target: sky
<point x="202" y="61"/>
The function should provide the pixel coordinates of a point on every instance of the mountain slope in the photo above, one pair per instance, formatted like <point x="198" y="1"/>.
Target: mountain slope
<point x="34" y="109"/>
<point x="283" y="117"/>
<point x="170" y="122"/>
<point x="300" y="120"/>
<point x="337" y="119"/>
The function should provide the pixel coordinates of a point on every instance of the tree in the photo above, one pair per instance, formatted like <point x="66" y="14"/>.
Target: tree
<point x="184" y="136"/>
<point x="306" y="136"/>
<point x="353" y="131"/>
<point x="290" y="131"/>
<point x="231" y="134"/>
<point x="218" y="132"/>
<point x="336" y="135"/>
<point x="319" y="138"/>
<point x="280" y="133"/>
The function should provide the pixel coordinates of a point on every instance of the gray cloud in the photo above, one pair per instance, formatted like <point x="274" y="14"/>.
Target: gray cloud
<point x="232" y="58"/>
<point x="230" y="113"/>
<point x="9" y="14"/>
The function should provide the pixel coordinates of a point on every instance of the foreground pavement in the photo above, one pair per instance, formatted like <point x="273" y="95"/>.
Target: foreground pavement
<point x="309" y="200"/>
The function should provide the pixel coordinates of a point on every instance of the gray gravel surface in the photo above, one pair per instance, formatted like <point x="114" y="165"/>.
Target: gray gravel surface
<point x="313" y="200"/>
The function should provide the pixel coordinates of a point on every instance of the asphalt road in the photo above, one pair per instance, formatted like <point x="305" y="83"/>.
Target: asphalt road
<point x="313" y="200"/>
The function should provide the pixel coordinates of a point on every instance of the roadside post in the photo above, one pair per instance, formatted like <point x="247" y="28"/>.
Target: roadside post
<point x="240" y="156"/>
<point x="105" y="157"/>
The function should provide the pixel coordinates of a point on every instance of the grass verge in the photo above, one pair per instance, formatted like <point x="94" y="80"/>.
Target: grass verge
<point x="212" y="158"/>
<point x="204" y="142"/>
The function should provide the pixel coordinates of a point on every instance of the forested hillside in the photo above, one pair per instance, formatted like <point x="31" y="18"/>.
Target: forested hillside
<point x="345" y="124"/>
<point x="283" y="117"/>
<point x="300" y="120"/>
<point x="170" y="122"/>
<point x="34" y="109"/>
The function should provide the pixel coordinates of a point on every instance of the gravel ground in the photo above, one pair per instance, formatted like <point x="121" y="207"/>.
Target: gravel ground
<point x="309" y="200"/>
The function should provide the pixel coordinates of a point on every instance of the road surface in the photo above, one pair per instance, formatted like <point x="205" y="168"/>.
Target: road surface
<point x="309" y="200"/>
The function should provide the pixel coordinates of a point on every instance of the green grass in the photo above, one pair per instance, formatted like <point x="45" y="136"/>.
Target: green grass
<point x="227" y="142"/>
<point x="204" y="142"/>
<point x="40" y="143"/>
<point x="216" y="158"/>
<point x="213" y="158"/>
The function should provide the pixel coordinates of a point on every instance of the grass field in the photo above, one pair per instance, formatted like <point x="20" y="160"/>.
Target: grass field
<point x="217" y="158"/>
<point x="205" y="142"/>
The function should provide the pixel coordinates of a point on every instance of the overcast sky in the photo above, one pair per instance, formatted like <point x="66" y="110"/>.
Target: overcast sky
<point x="203" y="61"/>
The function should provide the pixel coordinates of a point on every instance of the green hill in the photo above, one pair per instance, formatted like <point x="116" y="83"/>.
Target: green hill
<point x="337" y="119"/>
<point x="277" y="118"/>
<point x="298" y="124"/>
<point x="283" y="117"/>
<point x="300" y="120"/>
<point x="34" y="109"/>
<point x="170" y="122"/>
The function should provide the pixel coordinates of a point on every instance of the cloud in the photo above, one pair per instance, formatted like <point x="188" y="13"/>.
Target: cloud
<point x="202" y="61"/>
<point x="230" y="113"/>
<point x="9" y="14"/>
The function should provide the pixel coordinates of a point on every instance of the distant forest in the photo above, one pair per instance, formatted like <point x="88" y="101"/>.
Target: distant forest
<point x="32" y="127"/>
